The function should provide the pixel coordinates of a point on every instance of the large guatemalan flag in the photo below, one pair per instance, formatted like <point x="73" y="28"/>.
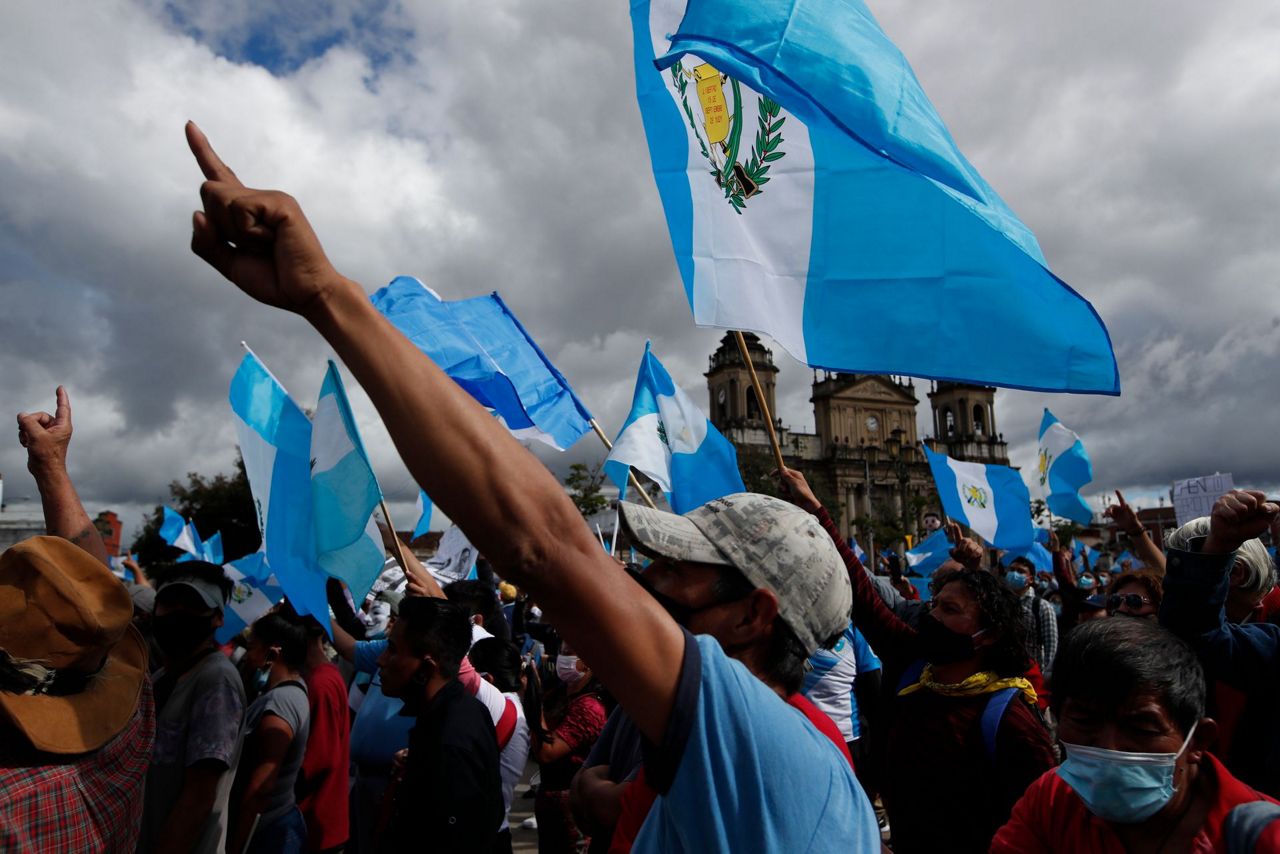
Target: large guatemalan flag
<point x="484" y="348"/>
<point x="667" y="437"/>
<point x="1062" y="471"/>
<point x="809" y="185"/>
<point x="991" y="500"/>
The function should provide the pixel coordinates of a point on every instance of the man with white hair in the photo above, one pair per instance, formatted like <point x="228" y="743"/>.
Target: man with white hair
<point x="1202" y="572"/>
<point x="1252" y="576"/>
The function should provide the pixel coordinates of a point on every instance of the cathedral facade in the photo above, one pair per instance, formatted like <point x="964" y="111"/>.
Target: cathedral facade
<point x="864" y="456"/>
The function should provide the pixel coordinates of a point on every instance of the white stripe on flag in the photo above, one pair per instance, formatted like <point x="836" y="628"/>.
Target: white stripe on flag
<point x="750" y="272"/>
<point x="976" y="497"/>
<point x="685" y="424"/>
<point x="639" y="447"/>
<point x="1055" y="442"/>
<point x="330" y="440"/>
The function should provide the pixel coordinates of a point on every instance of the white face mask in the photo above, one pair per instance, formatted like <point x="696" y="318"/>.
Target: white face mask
<point x="567" y="669"/>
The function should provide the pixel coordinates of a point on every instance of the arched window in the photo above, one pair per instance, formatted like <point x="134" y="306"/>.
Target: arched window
<point x="979" y="420"/>
<point x="753" y="406"/>
<point x="948" y="423"/>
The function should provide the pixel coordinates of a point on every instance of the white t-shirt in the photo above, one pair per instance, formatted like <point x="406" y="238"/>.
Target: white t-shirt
<point x="514" y="757"/>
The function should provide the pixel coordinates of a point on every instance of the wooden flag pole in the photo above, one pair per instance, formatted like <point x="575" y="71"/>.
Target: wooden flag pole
<point x="630" y="474"/>
<point x="395" y="538"/>
<point x="764" y="405"/>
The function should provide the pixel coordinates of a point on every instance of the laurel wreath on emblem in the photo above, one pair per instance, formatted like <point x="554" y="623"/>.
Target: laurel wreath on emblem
<point x="1043" y="467"/>
<point x="740" y="181"/>
<point x="662" y="434"/>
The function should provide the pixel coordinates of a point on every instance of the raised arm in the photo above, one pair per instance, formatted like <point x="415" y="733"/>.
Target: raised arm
<point x="1127" y="520"/>
<point x="46" y="438"/>
<point x="507" y="502"/>
<point x="1195" y="593"/>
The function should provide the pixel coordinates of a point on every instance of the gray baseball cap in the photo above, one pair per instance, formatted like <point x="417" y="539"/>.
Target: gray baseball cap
<point x="209" y="593"/>
<point x="773" y="543"/>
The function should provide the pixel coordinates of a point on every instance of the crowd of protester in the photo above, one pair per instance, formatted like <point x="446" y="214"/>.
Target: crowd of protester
<point x="750" y="685"/>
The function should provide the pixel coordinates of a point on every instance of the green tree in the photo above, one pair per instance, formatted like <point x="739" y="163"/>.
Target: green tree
<point x="218" y="503"/>
<point x="584" y="482"/>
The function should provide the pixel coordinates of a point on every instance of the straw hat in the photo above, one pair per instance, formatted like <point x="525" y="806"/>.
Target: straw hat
<point x="71" y="664"/>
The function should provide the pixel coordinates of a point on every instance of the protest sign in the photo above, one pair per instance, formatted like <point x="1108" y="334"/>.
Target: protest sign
<point x="1194" y="497"/>
<point x="455" y="558"/>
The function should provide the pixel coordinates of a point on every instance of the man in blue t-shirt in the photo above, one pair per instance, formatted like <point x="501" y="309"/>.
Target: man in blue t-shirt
<point x="736" y="767"/>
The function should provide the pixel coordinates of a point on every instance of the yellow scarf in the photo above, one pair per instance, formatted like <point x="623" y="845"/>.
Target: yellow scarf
<point x="982" y="682"/>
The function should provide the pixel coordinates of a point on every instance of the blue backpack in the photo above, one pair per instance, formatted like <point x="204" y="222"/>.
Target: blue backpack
<point x="997" y="702"/>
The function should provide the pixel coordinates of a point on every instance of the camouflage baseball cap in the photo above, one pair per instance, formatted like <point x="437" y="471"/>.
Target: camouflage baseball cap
<point x="773" y="543"/>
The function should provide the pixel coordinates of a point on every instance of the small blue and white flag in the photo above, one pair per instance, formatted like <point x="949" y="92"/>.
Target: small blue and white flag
<point x="1062" y="470"/>
<point x="178" y="532"/>
<point x="807" y="180"/>
<point x="275" y="443"/>
<point x="484" y="348"/>
<point x="667" y="437"/>
<point x="251" y="596"/>
<point x="857" y="550"/>
<point x="991" y="500"/>
<point x="931" y="552"/>
<point x="425" y="510"/>
<point x="344" y="493"/>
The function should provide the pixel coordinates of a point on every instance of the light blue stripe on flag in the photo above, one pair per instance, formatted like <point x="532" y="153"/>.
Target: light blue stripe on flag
<point x="667" y="437"/>
<point x="425" y="509"/>
<point x="991" y="500"/>
<point x="484" y="348"/>
<point x="275" y="442"/>
<point x="344" y="493"/>
<point x="807" y="180"/>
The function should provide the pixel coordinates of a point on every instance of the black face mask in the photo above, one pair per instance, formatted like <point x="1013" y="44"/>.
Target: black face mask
<point x="178" y="635"/>
<point x="679" y="611"/>
<point x="942" y="645"/>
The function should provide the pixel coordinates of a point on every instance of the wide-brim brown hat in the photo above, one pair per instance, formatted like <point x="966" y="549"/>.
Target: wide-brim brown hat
<point x="64" y="616"/>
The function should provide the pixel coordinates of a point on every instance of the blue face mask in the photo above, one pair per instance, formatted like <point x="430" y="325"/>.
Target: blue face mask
<point x="1119" y="786"/>
<point x="1016" y="580"/>
<point x="1057" y="608"/>
<point x="1086" y="583"/>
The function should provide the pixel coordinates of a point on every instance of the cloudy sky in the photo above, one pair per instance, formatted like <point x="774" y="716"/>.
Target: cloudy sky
<point x="498" y="146"/>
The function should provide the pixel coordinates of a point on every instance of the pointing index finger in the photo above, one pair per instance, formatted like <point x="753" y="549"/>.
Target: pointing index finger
<point x="209" y="161"/>
<point x="63" y="411"/>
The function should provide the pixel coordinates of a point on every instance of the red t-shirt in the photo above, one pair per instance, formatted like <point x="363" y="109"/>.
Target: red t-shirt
<point x="322" y="782"/>
<point x="638" y="797"/>
<point x="1051" y="817"/>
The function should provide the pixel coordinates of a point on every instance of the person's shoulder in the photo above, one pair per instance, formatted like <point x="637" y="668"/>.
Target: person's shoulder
<point x="216" y="670"/>
<point x="589" y="704"/>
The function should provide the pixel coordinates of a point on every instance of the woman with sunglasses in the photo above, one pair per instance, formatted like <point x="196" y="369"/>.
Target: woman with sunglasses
<point x="1135" y="594"/>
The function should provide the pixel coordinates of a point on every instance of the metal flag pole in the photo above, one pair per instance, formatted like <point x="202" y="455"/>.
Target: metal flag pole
<point x="764" y="406"/>
<point x="630" y="474"/>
